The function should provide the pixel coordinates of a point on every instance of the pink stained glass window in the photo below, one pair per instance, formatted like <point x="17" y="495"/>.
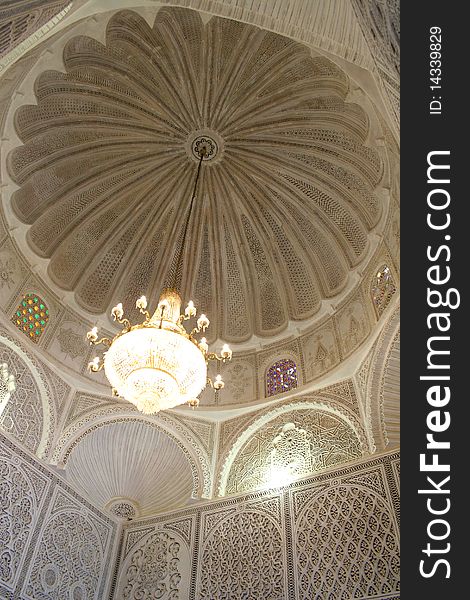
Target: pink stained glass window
<point x="281" y="377"/>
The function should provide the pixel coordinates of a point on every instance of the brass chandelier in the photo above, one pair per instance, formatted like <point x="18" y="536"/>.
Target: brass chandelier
<point x="158" y="364"/>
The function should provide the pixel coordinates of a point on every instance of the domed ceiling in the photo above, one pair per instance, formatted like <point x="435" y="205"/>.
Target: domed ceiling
<point x="287" y="198"/>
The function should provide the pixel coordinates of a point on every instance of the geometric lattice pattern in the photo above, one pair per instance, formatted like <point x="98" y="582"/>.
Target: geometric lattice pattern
<point x="281" y="377"/>
<point x="31" y="316"/>
<point x="382" y="289"/>
<point x="347" y="546"/>
<point x="16" y="505"/>
<point x="334" y="536"/>
<point x="7" y="386"/>
<point x="242" y="559"/>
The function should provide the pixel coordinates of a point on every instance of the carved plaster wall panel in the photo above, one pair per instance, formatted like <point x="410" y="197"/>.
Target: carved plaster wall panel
<point x="241" y="381"/>
<point x="67" y="343"/>
<point x="292" y="444"/>
<point x="340" y="396"/>
<point x="23" y="489"/>
<point x="70" y="552"/>
<point x="346" y="539"/>
<point x="279" y="544"/>
<point x="320" y="350"/>
<point x="390" y="393"/>
<point x="159" y="563"/>
<point x="353" y="323"/>
<point x="26" y="415"/>
<point x="381" y="388"/>
<point x="239" y="542"/>
<point x="52" y="542"/>
<point x="13" y="274"/>
<point x="39" y="399"/>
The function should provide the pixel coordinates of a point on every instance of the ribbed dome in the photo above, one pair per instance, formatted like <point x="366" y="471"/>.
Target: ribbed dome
<point x="131" y="460"/>
<point x="286" y="201"/>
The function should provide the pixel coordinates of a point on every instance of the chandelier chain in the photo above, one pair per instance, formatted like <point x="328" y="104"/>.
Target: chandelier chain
<point x="177" y="274"/>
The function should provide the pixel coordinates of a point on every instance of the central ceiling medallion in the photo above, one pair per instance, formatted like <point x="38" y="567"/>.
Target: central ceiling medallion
<point x="206" y="144"/>
<point x="209" y="142"/>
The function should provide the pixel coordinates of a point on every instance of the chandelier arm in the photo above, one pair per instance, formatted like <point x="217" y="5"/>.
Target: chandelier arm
<point x="214" y="356"/>
<point x="148" y="316"/>
<point x="182" y="318"/>
<point x="127" y="324"/>
<point x="105" y="341"/>
<point x="179" y="262"/>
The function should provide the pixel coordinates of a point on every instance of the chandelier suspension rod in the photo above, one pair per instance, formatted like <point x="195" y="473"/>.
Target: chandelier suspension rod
<point x="179" y="263"/>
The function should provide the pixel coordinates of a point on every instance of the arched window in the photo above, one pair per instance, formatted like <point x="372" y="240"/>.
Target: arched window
<point x="31" y="316"/>
<point x="281" y="377"/>
<point x="382" y="289"/>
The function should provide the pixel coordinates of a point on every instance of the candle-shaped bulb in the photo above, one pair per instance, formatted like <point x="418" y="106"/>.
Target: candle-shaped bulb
<point x="117" y="312"/>
<point x="190" y="310"/>
<point x="92" y="335"/>
<point x="94" y="365"/>
<point x="203" y="345"/>
<point x="226" y="352"/>
<point x="218" y="383"/>
<point x="141" y="303"/>
<point x="203" y="322"/>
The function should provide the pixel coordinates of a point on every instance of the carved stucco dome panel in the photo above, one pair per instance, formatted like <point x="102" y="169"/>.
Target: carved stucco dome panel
<point x="296" y="442"/>
<point x="287" y="198"/>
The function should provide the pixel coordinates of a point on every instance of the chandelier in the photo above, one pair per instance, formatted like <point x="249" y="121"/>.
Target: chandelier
<point x="158" y="364"/>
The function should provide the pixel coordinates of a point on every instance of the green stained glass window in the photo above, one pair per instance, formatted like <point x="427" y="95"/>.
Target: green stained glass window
<point x="31" y="316"/>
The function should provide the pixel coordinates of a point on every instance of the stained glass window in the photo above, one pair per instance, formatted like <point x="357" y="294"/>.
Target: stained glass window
<point x="281" y="377"/>
<point x="31" y="316"/>
<point x="382" y="289"/>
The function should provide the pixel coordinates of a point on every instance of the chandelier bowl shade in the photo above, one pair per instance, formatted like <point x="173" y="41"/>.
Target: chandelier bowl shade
<point x="155" y="369"/>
